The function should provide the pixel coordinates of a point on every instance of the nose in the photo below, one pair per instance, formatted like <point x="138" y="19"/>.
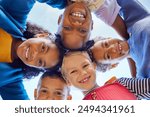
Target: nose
<point x="34" y="54"/>
<point x="112" y="49"/>
<point x="50" y="97"/>
<point x="83" y="72"/>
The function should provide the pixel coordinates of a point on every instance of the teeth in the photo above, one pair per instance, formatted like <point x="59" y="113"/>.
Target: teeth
<point x="78" y="14"/>
<point x="84" y="80"/>
<point x="27" y="52"/>
<point x="120" y="48"/>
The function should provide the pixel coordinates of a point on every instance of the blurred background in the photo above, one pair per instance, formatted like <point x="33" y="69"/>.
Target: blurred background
<point x="47" y="17"/>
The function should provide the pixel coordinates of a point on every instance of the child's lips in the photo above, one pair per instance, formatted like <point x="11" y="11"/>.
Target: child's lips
<point x="86" y="79"/>
<point x="119" y="48"/>
<point x="27" y="54"/>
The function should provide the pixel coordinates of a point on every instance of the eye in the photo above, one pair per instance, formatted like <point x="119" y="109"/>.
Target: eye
<point x="106" y="44"/>
<point x="68" y="28"/>
<point x="107" y="56"/>
<point x="40" y="62"/>
<point x="82" y="30"/>
<point x="43" y="91"/>
<point x="43" y="47"/>
<point x="74" y="71"/>
<point x="59" y="93"/>
<point x="85" y="66"/>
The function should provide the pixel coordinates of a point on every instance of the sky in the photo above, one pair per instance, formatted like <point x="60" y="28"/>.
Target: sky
<point x="47" y="17"/>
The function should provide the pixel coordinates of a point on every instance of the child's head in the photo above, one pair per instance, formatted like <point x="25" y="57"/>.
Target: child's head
<point x="52" y="86"/>
<point x="110" y="51"/>
<point x="75" y="25"/>
<point x="79" y="71"/>
<point x="38" y="52"/>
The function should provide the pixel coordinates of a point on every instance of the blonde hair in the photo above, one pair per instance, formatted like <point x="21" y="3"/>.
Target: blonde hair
<point x="83" y="53"/>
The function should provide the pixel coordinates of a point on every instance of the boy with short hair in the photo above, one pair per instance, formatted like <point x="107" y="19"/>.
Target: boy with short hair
<point x="52" y="86"/>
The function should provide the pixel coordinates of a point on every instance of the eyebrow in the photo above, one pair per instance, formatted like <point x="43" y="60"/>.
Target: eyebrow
<point x="42" y="87"/>
<point x="59" y="89"/>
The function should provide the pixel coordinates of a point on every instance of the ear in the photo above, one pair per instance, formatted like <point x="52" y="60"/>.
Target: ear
<point x="69" y="97"/>
<point x="35" y="93"/>
<point x="41" y="35"/>
<point x="59" y="19"/>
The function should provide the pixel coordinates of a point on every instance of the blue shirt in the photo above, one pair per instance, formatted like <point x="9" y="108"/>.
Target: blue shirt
<point x="11" y="83"/>
<point x="139" y="44"/>
<point x="137" y="20"/>
<point x="15" y="13"/>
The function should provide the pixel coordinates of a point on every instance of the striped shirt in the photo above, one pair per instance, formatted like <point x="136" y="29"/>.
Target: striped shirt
<point x="140" y="87"/>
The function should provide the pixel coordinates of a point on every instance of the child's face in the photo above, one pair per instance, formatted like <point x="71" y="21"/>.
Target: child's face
<point x="79" y="71"/>
<point x="52" y="89"/>
<point x="38" y="52"/>
<point x="75" y="25"/>
<point x="110" y="50"/>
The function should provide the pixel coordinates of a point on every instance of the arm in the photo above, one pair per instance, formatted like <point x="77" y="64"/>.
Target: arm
<point x="120" y="27"/>
<point x="14" y="91"/>
<point x="140" y="87"/>
<point x="132" y="67"/>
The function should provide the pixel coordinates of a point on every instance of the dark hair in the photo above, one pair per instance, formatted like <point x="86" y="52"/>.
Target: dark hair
<point x="52" y="75"/>
<point x="33" y="29"/>
<point x="29" y="72"/>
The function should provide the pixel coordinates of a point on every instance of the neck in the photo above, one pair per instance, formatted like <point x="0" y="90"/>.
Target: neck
<point x="15" y="44"/>
<point x="87" y="92"/>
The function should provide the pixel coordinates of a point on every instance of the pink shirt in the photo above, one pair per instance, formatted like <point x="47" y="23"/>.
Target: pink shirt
<point x="114" y="91"/>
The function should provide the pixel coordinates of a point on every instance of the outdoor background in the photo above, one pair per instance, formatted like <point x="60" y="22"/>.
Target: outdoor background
<point x="46" y="17"/>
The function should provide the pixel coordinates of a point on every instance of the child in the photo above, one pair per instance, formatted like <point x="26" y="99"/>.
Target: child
<point x="75" y="25"/>
<point x="52" y="86"/>
<point x="82" y="75"/>
<point x="110" y="51"/>
<point x="12" y="74"/>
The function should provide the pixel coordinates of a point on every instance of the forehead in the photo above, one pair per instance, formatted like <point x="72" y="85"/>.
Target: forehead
<point x="73" y="60"/>
<point x="53" y="81"/>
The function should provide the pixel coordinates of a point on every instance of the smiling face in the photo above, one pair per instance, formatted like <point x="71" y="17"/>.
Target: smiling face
<point x="38" y="52"/>
<point x="79" y="71"/>
<point x="75" y="25"/>
<point x="52" y="89"/>
<point x="110" y="50"/>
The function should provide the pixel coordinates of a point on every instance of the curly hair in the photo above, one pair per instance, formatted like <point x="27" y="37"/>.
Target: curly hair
<point x="29" y="72"/>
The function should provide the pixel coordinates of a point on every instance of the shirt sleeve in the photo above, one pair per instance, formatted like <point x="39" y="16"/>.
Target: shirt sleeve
<point x="108" y="11"/>
<point x="140" y="87"/>
<point x="14" y="91"/>
<point x="7" y="24"/>
<point x="55" y="3"/>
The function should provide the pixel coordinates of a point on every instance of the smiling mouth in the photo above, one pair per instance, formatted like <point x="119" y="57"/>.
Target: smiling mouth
<point x="78" y="17"/>
<point x="84" y="80"/>
<point x="27" y="53"/>
<point x="119" y="48"/>
<point x="78" y="14"/>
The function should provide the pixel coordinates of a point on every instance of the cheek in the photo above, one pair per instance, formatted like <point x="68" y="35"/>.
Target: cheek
<point x="41" y="96"/>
